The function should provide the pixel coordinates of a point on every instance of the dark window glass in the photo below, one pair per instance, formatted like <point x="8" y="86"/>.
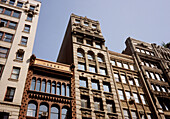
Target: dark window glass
<point x="4" y="115"/>
<point x="4" y="21"/>
<point x="3" y="1"/>
<point x="48" y="87"/>
<point x="1" y="69"/>
<point x="9" y="94"/>
<point x="32" y="84"/>
<point x="110" y="106"/>
<point x="20" y="56"/>
<point x="68" y="90"/>
<point x="8" y="12"/>
<point x="16" y="14"/>
<point x="3" y="52"/>
<point x="63" y="89"/>
<point x="43" y="109"/>
<point x="38" y="85"/>
<point x="64" y="113"/>
<point x="15" y="73"/>
<point x="54" y="113"/>
<point x="88" y="42"/>
<point x="12" y="25"/>
<point x="80" y="40"/>
<point x="31" y="110"/>
<point x="98" y="45"/>
<point x="8" y="37"/>
<point x="43" y="86"/>
<point x="24" y="40"/>
<point x="95" y="85"/>
<point x="11" y="2"/>
<point x="19" y="4"/>
<point x="29" y="17"/>
<point x="53" y="88"/>
<point x="97" y="104"/>
<point x="58" y="89"/>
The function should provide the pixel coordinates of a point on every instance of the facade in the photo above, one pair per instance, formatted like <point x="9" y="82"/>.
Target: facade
<point x="18" y="23"/>
<point x="48" y="92"/>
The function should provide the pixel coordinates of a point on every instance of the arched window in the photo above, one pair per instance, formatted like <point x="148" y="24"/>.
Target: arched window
<point x="53" y="91"/>
<point x="32" y="109"/>
<point x="68" y="90"/>
<point x="38" y="85"/>
<point x="33" y="84"/>
<point x="64" y="113"/>
<point x="43" y="109"/>
<point x="90" y="55"/>
<point x="100" y="58"/>
<point x="80" y="53"/>
<point x="54" y="112"/>
<point x="48" y="86"/>
<point x="58" y="89"/>
<point x="63" y="90"/>
<point x="43" y="86"/>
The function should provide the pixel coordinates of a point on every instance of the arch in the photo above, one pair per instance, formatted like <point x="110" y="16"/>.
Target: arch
<point x="43" y="109"/>
<point x="80" y="52"/>
<point x="90" y="55"/>
<point x="33" y="83"/>
<point x="100" y="57"/>
<point x="63" y="90"/>
<point x="55" y="112"/>
<point x="58" y="88"/>
<point x="68" y="90"/>
<point x="38" y="83"/>
<point x="53" y="89"/>
<point x="43" y="85"/>
<point x="64" y="112"/>
<point x="32" y="109"/>
<point x="48" y="90"/>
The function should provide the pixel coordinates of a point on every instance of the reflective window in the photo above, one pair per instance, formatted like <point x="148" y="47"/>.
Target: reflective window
<point x="97" y="104"/>
<point x="138" y="50"/>
<point x="100" y="59"/>
<point x="157" y="88"/>
<point x="152" y="86"/>
<point x="68" y="90"/>
<point x="81" y="66"/>
<point x="126" y="114"/>
<point x="127" y="95"/>
<point x="48" y="87"/>
<point x="80" y="54"/>
<point x="27" y="28"/>
<point x="53" y="91"/>
<point x="92" y="69"/>
<point x="142" y="51"/>
<point x="123" y="78"/>
<point x="152" y="75"/>
<point x="64" y="113"/>
<point x="15" y="73"/>
<point x="137" y="82"/>
<point x="106" y="87"/>
<point x="147" y="73"/>
<point x="32" y="7"/>
<point x="84" y="101"/>
<point x="29" y="17"/>
<point x="147" y="52"/>
<point x="121" y="95"/>
<point x="63" y="90"/>
<point x="9" y="94"/>
<point x="38" y="85"/>
<point x="163" y="89"/>
<point x="19" y="4"/>
<point x="143" y="99"/>
<point x="8" y="12"/>
<point x="8" y="37"/>
<point x="32" y="84"/>
<point x="158" y="77"/>
<point x="113" y="62"/>
<point x="88" y="43"/>
<point x="54" y="113"/>
<point x="24" y="40"/>
<point x="125" y="66"/>
<point x="116" y="77"/>
<point x="16" y="14"/>
<point x="58" y="89"/>
<point x="3" y="52"/>
<point x="31" y="110"/>
<point x="102" y="71"/>
<point x="12" y="25"/>
<point x="98" y="45"/>
<point x="119" y="64"/>
<point x="95" y="85"/>
<point x="43" y="109"/>
<point x="109" y="107"/>
<point x="11" y="2"/>
<point x="131" y="81"/>
<point x="134" y="115"/>
<point x="90" y="56"/>
<point x="43" y="86"/>
<point x="136" y="97"/>
<point x="83" y="82"/>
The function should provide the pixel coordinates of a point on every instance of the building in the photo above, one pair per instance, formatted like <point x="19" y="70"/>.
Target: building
<point x="18" y="23"/>
<point x="49" y="91"/>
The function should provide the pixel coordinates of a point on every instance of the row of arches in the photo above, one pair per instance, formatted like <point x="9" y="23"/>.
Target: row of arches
<point x="53" y="87"/>
<point x="90" y="55"/>
<point x="41" y="110"/>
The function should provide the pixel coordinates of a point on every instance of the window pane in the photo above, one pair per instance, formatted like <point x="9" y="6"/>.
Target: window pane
<point x="106" y="87"/>
<point x="136" y="97"/>
<point x="54" y="113"/>
<point x="8" y="37"/>
<point x="131" y="67"/>
<point x="134" y="115"/>
<point x="97" y="105"/>
<point x="119" y="64"/>
<point x="116" y="76"/>
<point x="64" y="113"/>
<point x="126" y="114"/>
<point x="63" y="90"/>
<point x="8" y="12"/>
<point x="98" y="45"/>
<point x="80" y="40"/>
<point x="92" y="69"/>
<point x="158" y="77"/>
<point x="12" y="25"/>
<point x="3" y="52"/>
<point x="123" y="78"/>
<point x="27" y="28"/>
<point x="43" y="109"/>
<point x="81" y="66"/>
<point x="53" y="88"/>
<point x="84" y="103"/>
<point x="95" y="85"/>
<point x="38" y="85"/>
<point x="88" y="42"/>
<point x="48" y="87"/>
<point x="113" y="62"/>
<point x="9" y="94"/>
<point x="125" y="66"/>
<point x="19" y="4"/>
<point x="127" y="95"/>
<point x="31" y="111"/>
<point x="16" y="14"/>
<point x="137" y="82"/>
<point x="15" y="73"/>
<point x="11" y="2"/>
<point x="121" y="95"/>
<point x="102" y="71"/>
<point x="43" y="86"/>
<point x="68" y="90"/>
<point x="83" y="83"/>
<point x="90" y="56"/>
<point x="29" y="17"/>
<point x="24" y="41"/>
<point x="58" y="89"/>
<point x="143" y="99"/>
<point x="152" y="75"/>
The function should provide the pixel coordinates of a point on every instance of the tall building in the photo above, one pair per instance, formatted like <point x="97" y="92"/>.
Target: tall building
<point x="18" y="23"/>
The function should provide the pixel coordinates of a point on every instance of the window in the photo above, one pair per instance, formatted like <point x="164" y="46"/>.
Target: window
<point x="43" y="85"/>
<point x="136" y="97"/>
<point x="86" y="24"/>
<point x="38" y="85"/>
<point x="19" y="4"/>
<point x="106" y="87"/>
<point x="88" y="43"/>
<point x="16" y="14"/>
<point x="4" y="21"/>
<point x="95" y="85"/>
<point x="77" y="21"/>
<point x="152" y="54"/>
<point x="147" y="52"/>
<point x="103" y="71"/>
<point x="83" y="82"/>
<point x="100" y="58"/>
<point x="128" y="95"/>
<point x="68" y="91"/>
<point x="123" y="78"/>
<point x="147" y="64"/>
<point x="110" y="106"/>
<point x="125" y="66"/>
<point x="163" y="89"/>
<point x="58" y="89"/>
<point x="63" y="90"/>
<point x="48" y="87"/>
<point x="153" y="87"/>
<point x="24" y="41"/>
<point x="94" y="26"/>
<point x="134" y="115"/>
<point x="1" y="9"/>
<point x="43" y="109"/>
<point x="81" y="66"/>
<point x="3" y="52"/>
<point x="8" y="12"/>
<point x="137" y="82"/>
<point x="157" y="88"/>
<point x="113" y="62"/>
<point x="149" y="116"/>
<point x="32" y="84"/>
<point x="147" y="73"/>
<point x="20" y="54"/>
<point x="32" y="7"/>
<point x="1" y="34"/>
<point x="11" y="2"/>
<point x="3" y="1"/>
<point x="85" y="101"/>
<point x="4" y="115"/>
<point x="80" y="54"/>
<point x="90" y="55"/>
<point x="158" y="77"/>
<point x="54" y="112"/>
<point x="97" y="104"/>
<point x="92" y="69"/>
<point x="15" y="73"/>
<point x="53" y="90"/>
<point x="143" y="99"/>
<point x="138" y="50"/>
<point x="29" y="17"/>
<point x="131" y="67"/>
<point x="116" y="77"/>
<point x="1" y="69"/>
<point x="119" y="64"/>
<point x="80" y="40"/>
<point x="152" y="75"/>
<point x="131" y="81"/>
<point x="126" y="114"/>
<point x="8" y="37"/>
<point x="9" y="94"/>
<point x="142" y="51"/>
<point x="31" y="110"/>
<point x="98" y="45"/>
<point x="12" y="25"/>
<point x="121" y="95"/>
<point x="27" y="28"/>
<point x="64" y="114"/>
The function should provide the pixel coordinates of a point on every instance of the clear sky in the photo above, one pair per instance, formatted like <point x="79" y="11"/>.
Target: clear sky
<point x="145" y="20"/>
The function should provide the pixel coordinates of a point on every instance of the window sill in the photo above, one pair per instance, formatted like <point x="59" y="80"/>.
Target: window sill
<point x="14" y="80"/>
<point x="22" y="45"/>
<point x="28" y="21"/>
<point x="84" y="88"/>
<point x="25" y="32"/>
<point x="16" y="60"/>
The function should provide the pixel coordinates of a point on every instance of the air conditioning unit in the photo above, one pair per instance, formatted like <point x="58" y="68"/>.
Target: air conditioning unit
<point x="44" y="114"/>
<point x="131" y="100"/>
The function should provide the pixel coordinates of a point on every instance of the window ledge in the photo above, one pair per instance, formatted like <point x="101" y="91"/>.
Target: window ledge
<point x="99" y="111"/>
<point x="86" y="108"/>
<point x="16" y="60"/>
<point x="83" y="88"/>
<point x="22" y="45"/>
<point x="107" y="93"/>
<point x="15" y="80"/>
<point x="26" y="32"/>
<point x="96" y="90"/>
<point x="28" y="21"/>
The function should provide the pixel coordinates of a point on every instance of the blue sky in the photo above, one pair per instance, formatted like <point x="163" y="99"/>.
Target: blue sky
<point x="145" y="20"/>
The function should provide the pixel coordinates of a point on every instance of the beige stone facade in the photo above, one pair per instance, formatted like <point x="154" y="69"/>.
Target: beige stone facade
<point x="17" y="33"/>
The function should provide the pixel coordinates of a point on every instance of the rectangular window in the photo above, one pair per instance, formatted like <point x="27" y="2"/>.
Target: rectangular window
<point x="85" y="101"/>
<point x="123" y="78"/>
<point x="134" y="115"/>
<point x="92" y="69"/>
<point x="152" y="86"/>
<point x="106" y="86"/>
<point x="5" y="22"/>
<point x="147" y="64"/>
<point x="112" y="62"/>
<point x="149" y="116"/>
<point x="163" y="89"/>
<point x="77" y="21"/>
<point x="128" y="95"/>
<point x="9" y="94"/>
<point x="3" y="52"/>
<point x="137" y="49"/>
<point x="32" y="7"/>
<point x="81" y="66"/>
<point x="109" y="105"/>
<point x="147" y="52"/>
<point x="121" y="95"/>
<point x="143" y="99"/>
<point x="136" y="97"/>
<point x="8" y="12"/>
<point x="8" y="37"/>
<point x="12" y="25"/>
<point x="125" y="66"/>
<point x="24" y="40"/>
<point x="95" y="84"/>
<point x="86" y="24"/>
<point x="29" y="17"/>
<point x="1" y="34"/>
<point x="16" y="14"/>
<point x="147" y="73"/>
<point x="27" y="28"/>
<point x="19" y="4"/>
<point x="1" y="69"/>
<point x="4" y="115"/>
<point x="158" y="77"/>
<point x="83" y="82"/>
<point x="97" y="104"/>
<point x="119" y="64"/>
<point x="152" y="75"/>
<point x="11" y="2"/>
<point x="3" y="1"/>
<point x="142" y="51"/>
<point x="80" y="40"/>
<point x="1" y="9"/>
<point x="102" y="71"/>
<point x="131" y="81"/>
<point x="126" y="114"/>
<point x="137" y="82"/>
<point x="157" y="88"/>
<point x="19" y="56"/>
<point x="15" y="73"/>
<point x="98" y="45"/>
<point x="116" y="77"/>
<point x="88" y="42"/>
